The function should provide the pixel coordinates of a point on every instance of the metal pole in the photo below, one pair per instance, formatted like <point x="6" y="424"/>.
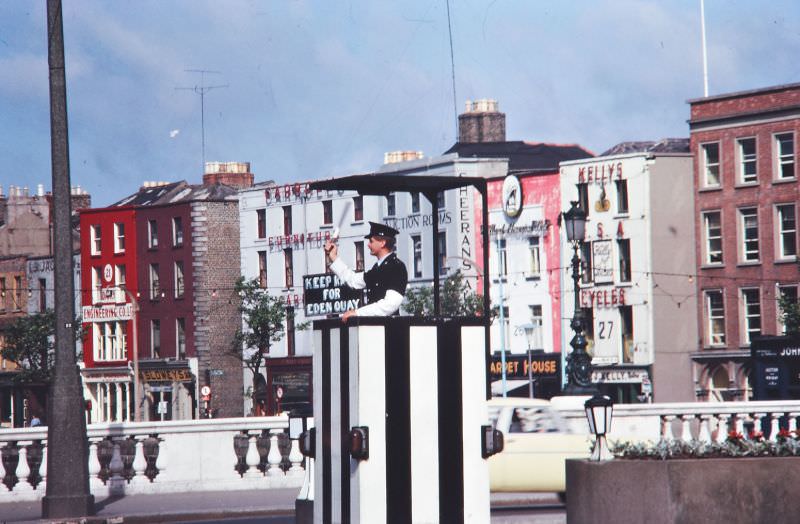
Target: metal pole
<point x="137" y="409"/>
<point x="502" y="316"/>
<point x="67" y="494"/>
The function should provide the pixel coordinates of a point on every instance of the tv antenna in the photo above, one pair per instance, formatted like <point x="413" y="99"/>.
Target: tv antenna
<point x="201" y="90"/>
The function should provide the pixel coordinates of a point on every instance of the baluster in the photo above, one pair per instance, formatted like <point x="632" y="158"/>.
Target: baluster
<point x="161" y="460"/>
<point x="774" y="426"/>
<point x="722" y="427"/>
<point x="739" y="423"/>
<point x="704" y="429"/>
<point x="23" y="471"/>
<point x="793" y="420"/>
<point x="686" y="431"/>
<point x="42" y="487"/>
<point x="666" y="426"/>
<point x="139" y="465"/>
<point x="116" y="465"/>
<point x="758" y="423"/>
<point x="274" y="457"/>
<point x="296" y="458"/>
<point x="252" y="458"/>
<point x="94" y="467"/>
<point x="3" y="487"/>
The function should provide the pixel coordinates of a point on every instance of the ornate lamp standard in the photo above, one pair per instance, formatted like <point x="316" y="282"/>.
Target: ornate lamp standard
<point x="579" y="363"/>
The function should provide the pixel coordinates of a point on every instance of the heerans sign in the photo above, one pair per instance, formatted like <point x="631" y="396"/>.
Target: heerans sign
<point x="326" y="294"/>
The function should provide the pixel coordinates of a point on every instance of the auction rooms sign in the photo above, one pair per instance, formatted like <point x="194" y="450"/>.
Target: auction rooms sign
<point x="327" y="294"/>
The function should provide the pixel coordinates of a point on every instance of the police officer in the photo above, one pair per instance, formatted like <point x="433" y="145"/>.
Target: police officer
<point x="385" y="282"/>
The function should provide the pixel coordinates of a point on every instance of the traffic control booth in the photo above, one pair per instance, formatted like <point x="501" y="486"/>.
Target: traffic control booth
<point x="402" y="432"/>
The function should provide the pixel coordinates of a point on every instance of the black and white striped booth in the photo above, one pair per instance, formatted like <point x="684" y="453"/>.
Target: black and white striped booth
<point x="413" y="392"/>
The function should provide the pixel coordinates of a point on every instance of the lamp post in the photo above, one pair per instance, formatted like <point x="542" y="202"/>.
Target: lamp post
<point x="579" y="363"/>
<point x="137" y="415"/>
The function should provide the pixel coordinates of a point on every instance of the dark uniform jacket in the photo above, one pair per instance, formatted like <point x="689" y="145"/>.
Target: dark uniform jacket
<point x="390" y="274"/>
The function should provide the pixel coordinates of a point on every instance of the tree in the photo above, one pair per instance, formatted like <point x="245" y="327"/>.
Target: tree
<point x="263" y="316"/>
<point x="457" y="299"/>
<point x="790" y="314"/>
<point x="30" y="343"/>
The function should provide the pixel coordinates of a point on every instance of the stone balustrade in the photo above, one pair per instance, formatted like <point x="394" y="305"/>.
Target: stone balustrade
<point x="172" y="456"/>
<point x="707" y="421"/>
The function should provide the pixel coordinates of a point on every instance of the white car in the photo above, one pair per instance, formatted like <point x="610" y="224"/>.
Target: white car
<point x="537" y="443"/>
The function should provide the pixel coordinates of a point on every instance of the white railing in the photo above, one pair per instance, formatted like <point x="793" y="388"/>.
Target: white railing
<point x="707" y="421"/>
<point x="161" y="457"/>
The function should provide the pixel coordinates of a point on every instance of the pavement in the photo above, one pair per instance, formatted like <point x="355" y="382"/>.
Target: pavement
<point x="207" y="505"/>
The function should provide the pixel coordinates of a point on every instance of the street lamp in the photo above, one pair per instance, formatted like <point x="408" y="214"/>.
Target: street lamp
<point x="599" y="410"/>
<point x="579" y="363"/>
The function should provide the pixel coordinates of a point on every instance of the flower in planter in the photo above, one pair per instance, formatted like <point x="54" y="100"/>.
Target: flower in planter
<point x="734" y="436"/>
<point x="784" y="435"/>
<point x="756" y="435"/>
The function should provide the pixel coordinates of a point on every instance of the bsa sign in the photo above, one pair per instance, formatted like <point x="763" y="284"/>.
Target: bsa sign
<point x="326" y="294"/>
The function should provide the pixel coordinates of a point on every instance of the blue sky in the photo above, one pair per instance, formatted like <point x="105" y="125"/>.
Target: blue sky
<point x="323" y="88"/>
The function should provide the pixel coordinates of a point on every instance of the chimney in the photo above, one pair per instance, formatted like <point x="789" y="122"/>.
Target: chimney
<point x="481" y="122"/>
<point x="234" y="174"/>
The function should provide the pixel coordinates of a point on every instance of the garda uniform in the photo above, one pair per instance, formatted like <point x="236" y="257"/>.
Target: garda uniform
<point x="385" y="282"/>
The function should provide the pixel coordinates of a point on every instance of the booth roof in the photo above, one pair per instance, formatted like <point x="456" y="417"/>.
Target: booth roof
<point x="382" y="184"/>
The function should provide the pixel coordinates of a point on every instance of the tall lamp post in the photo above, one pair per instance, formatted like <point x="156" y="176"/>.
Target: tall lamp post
<point x="579" y="363"/>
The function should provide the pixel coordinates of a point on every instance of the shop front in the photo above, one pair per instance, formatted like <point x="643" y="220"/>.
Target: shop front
<point x="109" y="394"/>
<point x="534" y="375"/>
<point x="288" y="385"/>
<point x="169" y="390"/>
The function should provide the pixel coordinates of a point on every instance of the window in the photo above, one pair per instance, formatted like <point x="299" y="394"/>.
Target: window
<point x="536" y="338"/>
<point x="3" y="294"/>
<point x="288" y="268"/>
<point x="440" y="200"/>
<point x="261" y="217"/>
<point x="534" y="258"/>
<point x="622" y="196"/>
<point x="624" y="252"/>
<point x="179" y="281"/>
<point x="94" y="233"/>
<point x="287" y="220"/>
<point x="17" y="293"/>
<point x="502" y="255"/>
<point x="152" y="234"/>
<point x="358" y="209"/>
<point x="155" y="283"/>
<point x="262" y="269"/>
<point x="97" y="283"/>
<point x="177" y="231"/>
<point x="390" y="204"/>
<point x="119" y="281"/>
<point x="359" y="255"/>
<point x="42" y="295"/>
<point x="711" y="164"/>
<point x="505" y="324"/>
<point x="747" y="160"/>
<point x="327" y="261"/>
<point x="786" y="292"/>
<point x="155" y="338"/>
<point x="119" y="238"/>
<point x="748" y="223"/>
<point x="712" y="229"/>
<point x="586" y="263"/>
<point x="751" y="313"/>
<point x="787" y="230"/>
<point x="784" y="155"/>
<point x="290" y="332"/>
<point x="626" y="332"/>
<point x="109" y="341"/>
<point x="414" y="202"/>
<point x="583" y="197"/>
<point x="180" y="338"/>
<point x="327" y="212"/>
<point x="416" y="245"/>
<point x="442" y="240"/>
<point x="715" y="316"/>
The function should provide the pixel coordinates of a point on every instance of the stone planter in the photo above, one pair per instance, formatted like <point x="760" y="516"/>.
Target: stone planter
<point x="724" y="490"/>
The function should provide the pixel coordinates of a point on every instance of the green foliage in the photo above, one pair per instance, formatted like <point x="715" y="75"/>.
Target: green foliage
<point x="30" y="343"/>
<point x="458" y="300"/>
<point x="735" y="446"/>
<point x="263" y="316"/>
<point x="790" y="314"/>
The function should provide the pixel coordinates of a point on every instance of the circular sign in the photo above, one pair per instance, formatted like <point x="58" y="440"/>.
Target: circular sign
<point x="512" y="196"/>
<point x="108" y="273"/>
<point x="205" y="390"/>
<point x="279" y="392"/>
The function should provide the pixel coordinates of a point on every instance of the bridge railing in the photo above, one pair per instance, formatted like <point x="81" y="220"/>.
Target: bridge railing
<point x="171" y="456"/>
<point x="706" y="421"/>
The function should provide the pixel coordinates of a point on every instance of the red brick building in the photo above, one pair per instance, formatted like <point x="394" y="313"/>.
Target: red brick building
<point x="174" y="248"/>
<point x="746" y="191"/>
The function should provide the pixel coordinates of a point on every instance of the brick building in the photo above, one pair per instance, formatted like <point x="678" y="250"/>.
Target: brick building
<point x="746" y="193"/>
<point x="174" y="247"/>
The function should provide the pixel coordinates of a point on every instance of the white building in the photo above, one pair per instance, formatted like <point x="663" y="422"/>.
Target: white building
<point x="637" y="262"/>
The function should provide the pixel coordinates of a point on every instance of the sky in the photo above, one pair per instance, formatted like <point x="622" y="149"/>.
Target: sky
<point x="310" y="89"/>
